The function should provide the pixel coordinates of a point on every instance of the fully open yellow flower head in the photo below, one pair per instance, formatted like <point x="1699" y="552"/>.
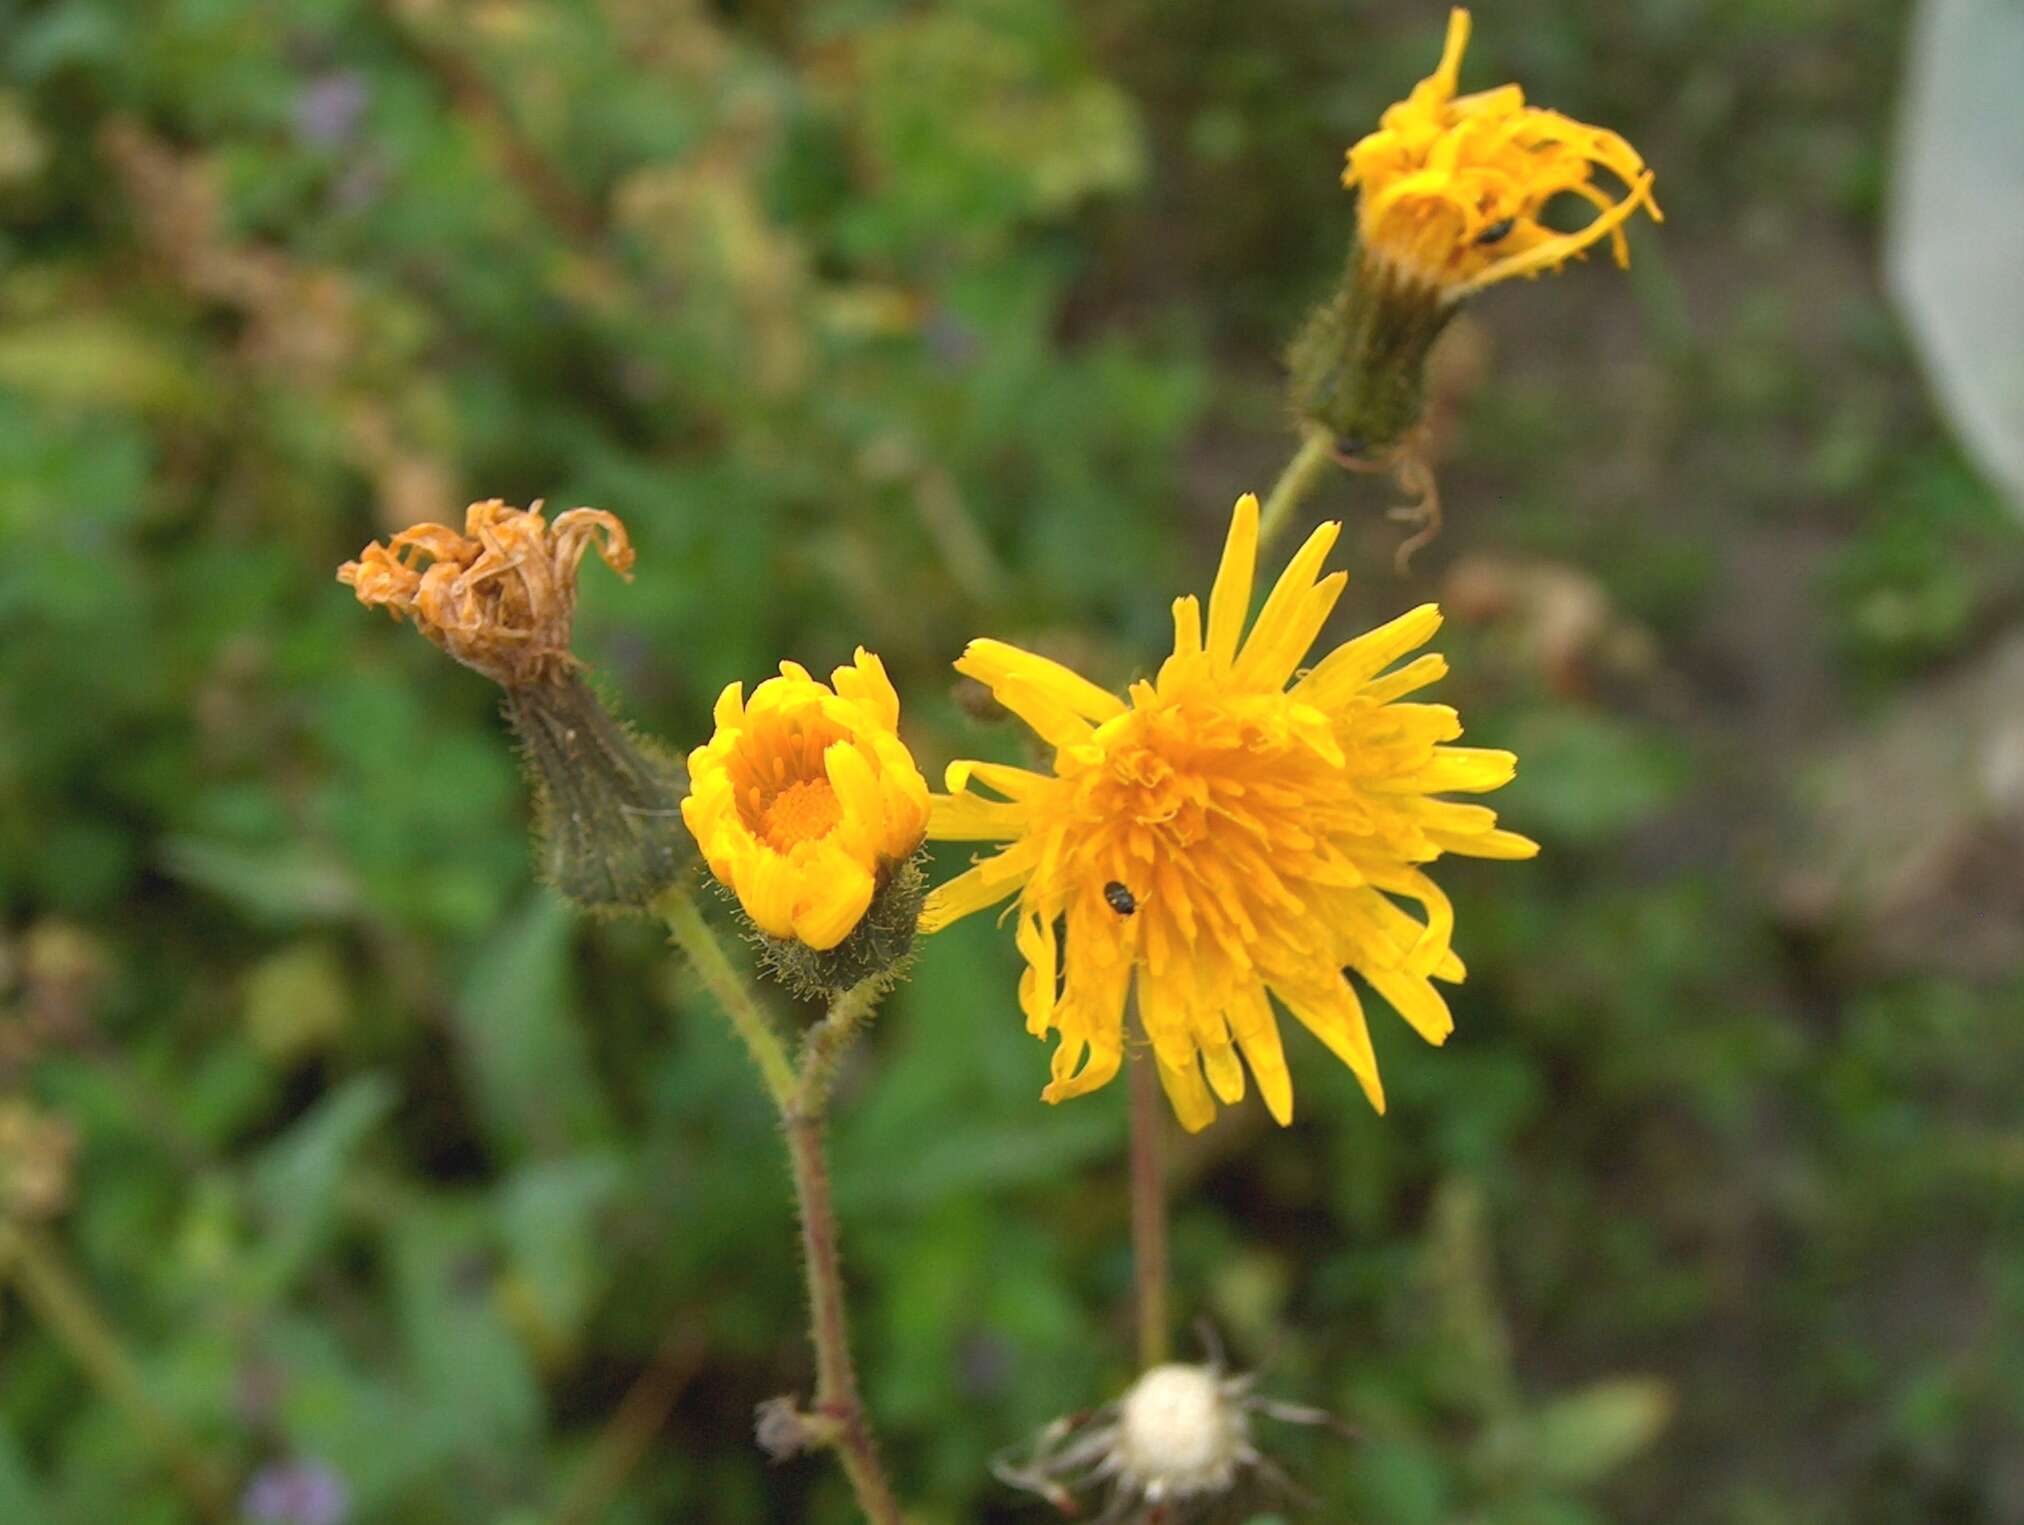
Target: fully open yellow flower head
<point x="501" y="596"/>
<point x="1452" y="186"/>
<point x="806" y="802"/>
<point x="1219" y="838"/>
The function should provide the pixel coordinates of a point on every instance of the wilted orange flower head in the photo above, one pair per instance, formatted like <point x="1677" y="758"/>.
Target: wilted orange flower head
<point x="1452" y="186"/>
<point x="501" y="596"/>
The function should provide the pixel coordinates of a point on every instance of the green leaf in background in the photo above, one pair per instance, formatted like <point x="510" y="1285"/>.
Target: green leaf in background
<point x="386" y="1443"/>
<point x="1469" y="1356"/>
<point x="298" y="1179"/>
<point x="21" y="1496"/>
<point x="467" y="1368"/>
<point x="549" y="1216"/>
<point x="518" y="1040"/>
<point x="94" y="361"/>
<point x="1585" y="778"/>
<point x="277" y="886"/>
<point x="297" y="1001"/>
<point x="1577" y="1440"/>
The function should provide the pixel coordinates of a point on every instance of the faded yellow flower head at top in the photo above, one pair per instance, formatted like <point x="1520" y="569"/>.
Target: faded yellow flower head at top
<point x="1218" y="838"/>
<point x="805" y="800"/>
<point x="501" y="596"/>
<point x="1451" y="188"/>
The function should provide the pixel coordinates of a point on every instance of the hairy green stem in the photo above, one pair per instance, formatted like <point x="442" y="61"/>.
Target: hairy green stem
<point x="1296" y="481"/>
<point x="837" y="1400"/>
<point x="693" y="935"/>
<point x="823" y="1049"/>
<point x="802" y="1096"/>
<point x="67" y="1310"/>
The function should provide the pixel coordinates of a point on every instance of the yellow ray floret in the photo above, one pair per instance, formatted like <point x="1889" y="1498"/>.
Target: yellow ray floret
<point x="1225" y="834"/>
<point x="805" y="798"/>
<point x="1452" y="187"/>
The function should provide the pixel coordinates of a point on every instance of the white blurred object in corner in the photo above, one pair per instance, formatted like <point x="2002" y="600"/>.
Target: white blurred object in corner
<point x="1954" y="253"/>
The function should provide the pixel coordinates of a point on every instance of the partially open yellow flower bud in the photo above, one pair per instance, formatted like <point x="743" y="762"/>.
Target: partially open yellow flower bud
<point x="1452" y="187"/>
<point x="1453" y="193"/>
<point x="805" y="801"/>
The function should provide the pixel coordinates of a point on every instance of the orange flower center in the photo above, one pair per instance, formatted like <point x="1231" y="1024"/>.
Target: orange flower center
<point x="802" y="812"/>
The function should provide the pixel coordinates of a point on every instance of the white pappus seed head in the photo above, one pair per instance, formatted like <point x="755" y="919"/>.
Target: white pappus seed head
<point x="1165" y="1453"/>
<point x="1181" y="1432"/>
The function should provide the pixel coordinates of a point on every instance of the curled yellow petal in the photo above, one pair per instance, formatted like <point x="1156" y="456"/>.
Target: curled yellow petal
<point x="1453" y="188"/>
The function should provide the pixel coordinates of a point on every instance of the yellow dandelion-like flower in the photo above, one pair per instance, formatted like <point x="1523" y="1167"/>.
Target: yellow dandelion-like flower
<point x="1220" y="838"/>
<point x="1452" y="187"/>
<point x="501" y="596"/>
<point x="805" y="800"/>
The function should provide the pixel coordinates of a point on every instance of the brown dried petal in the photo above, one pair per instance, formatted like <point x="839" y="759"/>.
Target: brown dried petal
<point x="499" y="597"/>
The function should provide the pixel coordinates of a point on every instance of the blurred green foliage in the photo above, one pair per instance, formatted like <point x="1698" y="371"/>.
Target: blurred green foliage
<point x="902" y="323"/>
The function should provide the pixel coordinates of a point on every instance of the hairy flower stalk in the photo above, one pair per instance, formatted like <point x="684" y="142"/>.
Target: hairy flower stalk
<point x="1219" y="838"/>
<point x="801" y="1092"/>
<point x="500" y="597"/>
<point x="1452" y="192"/>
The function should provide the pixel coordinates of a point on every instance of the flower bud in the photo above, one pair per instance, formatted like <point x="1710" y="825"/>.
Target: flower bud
<point x="607" y="803"/>
<point x="880" y="947"/>
<point x="1359" y="367"/>
<point x="809" y="809"/>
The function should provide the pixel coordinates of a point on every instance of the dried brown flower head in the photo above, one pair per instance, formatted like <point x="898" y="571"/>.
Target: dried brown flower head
<point x="501" y="596"/>
<point x="36" y="1151"/>
<point x="50" y="979"/>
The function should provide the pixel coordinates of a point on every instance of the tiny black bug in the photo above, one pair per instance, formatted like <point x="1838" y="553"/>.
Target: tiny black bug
<point x="1120" y="898"/>
<point x="1496" y="230"/>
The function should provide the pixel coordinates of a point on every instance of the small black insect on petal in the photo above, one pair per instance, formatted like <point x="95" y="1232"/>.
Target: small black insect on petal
<point x="1120" y="898"/>
<point x="1497" y="230"/>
